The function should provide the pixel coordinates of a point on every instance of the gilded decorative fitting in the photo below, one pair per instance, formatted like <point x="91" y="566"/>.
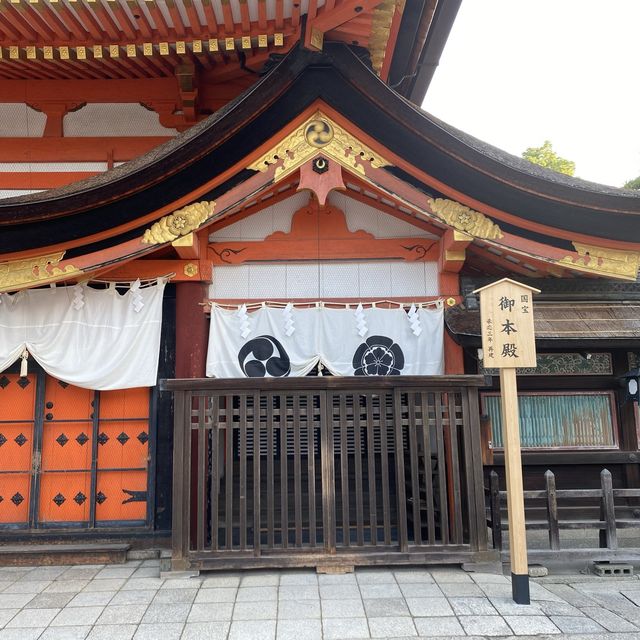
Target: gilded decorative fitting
<point x="190" y="269"/>
<point x="29" y="272"/>
<point x="179" y="223"/>
<point x="381" y="20"/>
<point x="465" y="219"/>
<point x="603" y="261"/>
<point x="318" y="132"/>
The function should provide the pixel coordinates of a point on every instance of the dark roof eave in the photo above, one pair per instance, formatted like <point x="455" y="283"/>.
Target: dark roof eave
<point x="142" y="171"/>
<point x="344" y="82"/>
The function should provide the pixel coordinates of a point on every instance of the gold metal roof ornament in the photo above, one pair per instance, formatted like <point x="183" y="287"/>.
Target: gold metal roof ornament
<point x="179" y="223"/>
<point x="603" y="261"/>
<point x="30" y="272"/>
<point x="319" y="132"/>
<point x="465" y="219"/>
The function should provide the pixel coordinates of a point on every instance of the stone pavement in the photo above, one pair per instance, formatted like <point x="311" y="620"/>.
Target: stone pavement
<point x="120" y="602"/>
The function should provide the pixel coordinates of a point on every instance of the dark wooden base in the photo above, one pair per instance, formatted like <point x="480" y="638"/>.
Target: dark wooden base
<point x="292" y="559"/>
<point x="520" y="588"/>
<point x="59" y="554"/>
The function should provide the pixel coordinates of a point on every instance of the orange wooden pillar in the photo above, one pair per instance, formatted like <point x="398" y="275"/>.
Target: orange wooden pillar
<point x="451" y="260"/>
<point x="192" y="330"/>
<point x="191" y="355"/>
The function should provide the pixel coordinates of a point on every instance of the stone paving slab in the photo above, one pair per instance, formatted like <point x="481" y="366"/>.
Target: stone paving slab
<point x="132" y="602"/>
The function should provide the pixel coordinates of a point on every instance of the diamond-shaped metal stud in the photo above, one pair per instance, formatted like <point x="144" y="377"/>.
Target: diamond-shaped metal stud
<point x="62" y="439"/>
<point x="123" y="438"/>
<point x="23" y="383"/>
<point x="63" y="384"/>
<point x="4" y="381"/>
<point x="20" y="439"/>
<point x="103" y="438"/>
<point x="143" y="436"/>
<point x="80" y="498"/>
<point x="100" y="497"/>
<point x="2" y="439"/>
<point x="82" y="439"/>
<point x="59" y="499"/>
<point x="16" y="498"/>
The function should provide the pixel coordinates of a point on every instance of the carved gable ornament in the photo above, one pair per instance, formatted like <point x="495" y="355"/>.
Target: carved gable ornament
<point x="318" y="133"/>
<point x="36" y="271"/>
<point x="464" y="219"/>
<point x="603" y="261"/>
<point x="179" y="223"/>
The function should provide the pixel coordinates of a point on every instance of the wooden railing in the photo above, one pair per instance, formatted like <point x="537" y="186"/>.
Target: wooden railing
<point x="607" y="523"/>
<point x="308" y="471"/>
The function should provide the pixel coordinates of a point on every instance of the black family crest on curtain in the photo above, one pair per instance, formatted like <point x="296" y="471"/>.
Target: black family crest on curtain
<point x="263" y="356"/>
<point x="378" y="356"/>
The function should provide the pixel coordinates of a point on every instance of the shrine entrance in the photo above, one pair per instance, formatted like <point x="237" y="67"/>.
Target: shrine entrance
<point x="72" y="458"/>
<point x="313" y="471"/>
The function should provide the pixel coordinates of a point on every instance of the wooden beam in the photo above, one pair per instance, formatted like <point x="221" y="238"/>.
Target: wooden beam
<point x="321" y="233"/>
<point x="41" y="179"/>
<point x="185" y="270"/>
<point x="76" y="149"/>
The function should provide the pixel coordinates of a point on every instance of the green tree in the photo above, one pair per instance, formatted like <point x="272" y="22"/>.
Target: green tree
<point x="633" y="184"/>
<point x="546" y="157"/>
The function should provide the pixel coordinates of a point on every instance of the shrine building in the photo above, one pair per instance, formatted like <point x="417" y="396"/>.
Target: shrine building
<point x="237" y="265"/>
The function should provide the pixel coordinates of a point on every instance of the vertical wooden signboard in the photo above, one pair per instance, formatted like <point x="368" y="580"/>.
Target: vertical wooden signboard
<point x="508" y="342"/>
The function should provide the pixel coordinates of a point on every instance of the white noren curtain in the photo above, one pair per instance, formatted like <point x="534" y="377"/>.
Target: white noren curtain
<point x="273" y="342"/>
<point x="92" y="338"/>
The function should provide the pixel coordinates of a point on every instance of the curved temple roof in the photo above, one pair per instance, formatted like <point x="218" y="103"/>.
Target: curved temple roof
<point x="492" y="180"/>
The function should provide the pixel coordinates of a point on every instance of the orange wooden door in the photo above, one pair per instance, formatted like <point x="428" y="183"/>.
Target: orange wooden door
<point x="17" y="429"/>
<point x="65" y="478"/>
<point x="71" y="456"/>
<point x="123" y="455"/>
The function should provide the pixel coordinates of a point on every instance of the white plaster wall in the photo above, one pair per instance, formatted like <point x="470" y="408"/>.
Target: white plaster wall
<point x="273" y="218"/>
<point x="380" y="224"/>
<point x="13" y="193"/>
<point x="19" y="120"/>
<point x="358" y="215"/>
<point x="325" y="279"/>
<point x="114" y="119"/>
<point x="39" y="167"/>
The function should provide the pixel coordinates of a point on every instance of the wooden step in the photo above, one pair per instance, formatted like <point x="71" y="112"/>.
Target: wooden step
<point x="29" y="555"/>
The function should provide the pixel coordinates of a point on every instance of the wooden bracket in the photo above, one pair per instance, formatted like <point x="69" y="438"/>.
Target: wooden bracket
<point x="55" y="111"/>
<point x="330" y="19"/>
<point x="186" y="75"/>
<point x="187" y="247"/>
<point x="321" y="233"/>
<point x="453" y="246"/>
<point x="184" y="270"/>
<point x="453" y="250"/>
<point x="321" y="176"/>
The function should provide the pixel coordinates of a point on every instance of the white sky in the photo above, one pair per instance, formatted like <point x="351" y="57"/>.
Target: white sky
<point x="516" y="72"/>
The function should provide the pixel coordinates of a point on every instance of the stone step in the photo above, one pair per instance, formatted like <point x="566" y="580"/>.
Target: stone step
<point x="29" y="555"/>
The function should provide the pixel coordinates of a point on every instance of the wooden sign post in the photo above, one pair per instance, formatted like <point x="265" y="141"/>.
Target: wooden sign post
<point x="508" y="342"/>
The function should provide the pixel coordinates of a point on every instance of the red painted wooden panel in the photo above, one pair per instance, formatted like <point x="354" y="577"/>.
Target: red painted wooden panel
<point x="65" y="485"/>
<point x="64" y="497"/>
<point x="15" y="491"/>
<point x="17" y="396"/>
<point x="17" y="406"/>
<point x="123" y="444"/>
<point x="121" y="495"/>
